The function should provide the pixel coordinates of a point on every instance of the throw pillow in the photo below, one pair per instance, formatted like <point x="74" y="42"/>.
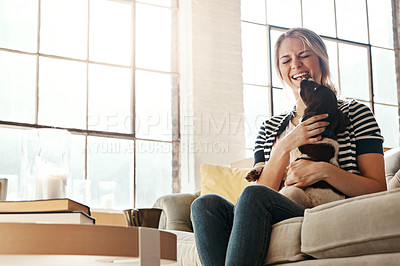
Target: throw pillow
<point x="224" y="181"/>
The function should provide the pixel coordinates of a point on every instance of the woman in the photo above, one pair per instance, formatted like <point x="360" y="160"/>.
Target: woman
<point x="228" y="234"/>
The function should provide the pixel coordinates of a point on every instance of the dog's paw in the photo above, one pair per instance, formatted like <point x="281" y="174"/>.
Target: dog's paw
<point x="254" y="174"/>
<point x="297" y="195"/>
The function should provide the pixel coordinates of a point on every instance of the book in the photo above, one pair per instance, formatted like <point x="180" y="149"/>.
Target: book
<point x="64" y="217"/>
<point x="46" y="205"/>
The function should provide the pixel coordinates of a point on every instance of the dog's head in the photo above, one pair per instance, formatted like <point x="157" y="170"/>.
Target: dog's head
<point x="320" y="99"/>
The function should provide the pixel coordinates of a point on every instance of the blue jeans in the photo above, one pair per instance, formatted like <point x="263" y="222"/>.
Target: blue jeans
<point x="228" y="234"/>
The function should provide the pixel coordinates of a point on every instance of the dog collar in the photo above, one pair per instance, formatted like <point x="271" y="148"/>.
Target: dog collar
<point x="328" y="133"/>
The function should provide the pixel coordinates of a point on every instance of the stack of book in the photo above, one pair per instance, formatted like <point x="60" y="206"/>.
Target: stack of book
<point x="56" y="211"/>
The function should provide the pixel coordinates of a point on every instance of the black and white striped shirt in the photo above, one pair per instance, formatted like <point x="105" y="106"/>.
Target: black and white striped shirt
<point x="361" y="136"/>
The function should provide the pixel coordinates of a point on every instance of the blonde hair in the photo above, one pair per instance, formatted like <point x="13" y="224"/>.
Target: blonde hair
<point x="316" y="44"/>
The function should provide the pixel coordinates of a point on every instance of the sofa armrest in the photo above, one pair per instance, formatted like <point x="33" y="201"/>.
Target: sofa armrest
<point x="392" y="168"/>
<point x="176" y="211"/>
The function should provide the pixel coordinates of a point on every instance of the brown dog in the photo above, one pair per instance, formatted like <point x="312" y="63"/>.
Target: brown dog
<point x="318" y="99"/>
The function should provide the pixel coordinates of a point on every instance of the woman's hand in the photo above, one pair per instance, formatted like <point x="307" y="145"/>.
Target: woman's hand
<point x="305" y="132"/>
<point x="303" y="173"/>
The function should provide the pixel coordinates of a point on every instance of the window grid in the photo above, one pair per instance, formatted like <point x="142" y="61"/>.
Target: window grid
<point x="175" y="141"/>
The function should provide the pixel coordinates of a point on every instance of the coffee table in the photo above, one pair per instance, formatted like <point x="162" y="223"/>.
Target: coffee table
<point x="71" y="244"/>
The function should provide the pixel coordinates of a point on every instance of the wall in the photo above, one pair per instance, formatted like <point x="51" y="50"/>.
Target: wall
<point x="212" y="129"/>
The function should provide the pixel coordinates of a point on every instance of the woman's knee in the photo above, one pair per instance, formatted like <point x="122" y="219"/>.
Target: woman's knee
<point x="202" y="201"/>
<point x="256" y="189"/>
<point x="208" y="202"/>
<point x="256" y="192"/>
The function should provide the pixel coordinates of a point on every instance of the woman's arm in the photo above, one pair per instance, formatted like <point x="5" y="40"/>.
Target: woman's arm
<point x="303" y="173"/>
<point x="273" y="171"/>
<point x="370" y="162"/>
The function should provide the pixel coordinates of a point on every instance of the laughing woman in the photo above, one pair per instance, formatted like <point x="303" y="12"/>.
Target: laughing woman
<point x="228" y="234"/>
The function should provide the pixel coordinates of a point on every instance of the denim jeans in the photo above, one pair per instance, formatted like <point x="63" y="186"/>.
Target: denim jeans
<point x="228" y="234"/>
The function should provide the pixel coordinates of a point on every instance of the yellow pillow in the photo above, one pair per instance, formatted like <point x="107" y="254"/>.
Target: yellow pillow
<point x="225" y="181"/>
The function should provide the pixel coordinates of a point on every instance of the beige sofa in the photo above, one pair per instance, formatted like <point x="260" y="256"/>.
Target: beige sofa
<point x="362" y="230"/>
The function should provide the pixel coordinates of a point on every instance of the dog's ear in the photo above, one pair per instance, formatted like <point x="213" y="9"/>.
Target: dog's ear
<point x="311" y="98"/>
<point x="343" y="122"/>
<point x="321" y="99"/>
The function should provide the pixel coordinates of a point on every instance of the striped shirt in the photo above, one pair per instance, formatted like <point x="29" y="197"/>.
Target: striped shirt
<point x="361" y="136"/>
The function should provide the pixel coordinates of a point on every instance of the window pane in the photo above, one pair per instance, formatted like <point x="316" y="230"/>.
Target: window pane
<point x="380" y="23"/>
<point x="110" y="32"/>
<point x="110" y="169"/>
<point x="255" y="54"/>
<point x="276" y="81"/>
<point x="77" y="160"/>
<point x="352" y="20"/>
<point x="384" y="76"/>
<point x="153" y="37"/>
<point x="110" y="99"/>
<point x="79" y="188"/>
<point x="256" y="111"/>
<point x="62" y="99"/>
<point x="283" y="100"/>
<point x="388" y="120"/>
<point x="18" y="24"/>
<point x="153" y="105"/>
<point x="153" y="172"/>
<point x="17" y="87"/>
<point x="10" y="163"/>
<point x="253" y="11"/>
<point x="249" y="152"/>
<point x="166" y="3"/>
<point x="319" y="16"/>
<point x="284" y="13"/>
<point x="354" y="74"/>
<point x="61" y="35"/>
<point x="331" y="47"/>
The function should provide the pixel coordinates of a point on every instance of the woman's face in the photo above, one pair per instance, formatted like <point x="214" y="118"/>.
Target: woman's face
<point x="297" y="60"/>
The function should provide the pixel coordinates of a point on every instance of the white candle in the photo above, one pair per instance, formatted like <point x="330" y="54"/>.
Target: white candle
<point x="54" y="186"/>
<point x="107" y="200"/>
<point x="51" y="181"/>
<point x="51" y="186"/>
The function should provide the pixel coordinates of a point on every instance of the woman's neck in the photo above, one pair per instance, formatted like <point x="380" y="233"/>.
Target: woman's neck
<point x="300" y="107"/>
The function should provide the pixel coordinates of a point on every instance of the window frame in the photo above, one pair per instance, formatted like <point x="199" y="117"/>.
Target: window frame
<point x="175" y="100"/>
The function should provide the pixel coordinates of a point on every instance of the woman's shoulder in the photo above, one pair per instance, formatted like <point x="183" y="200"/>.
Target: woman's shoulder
<point x="276" y="120"/>
<point x="353" y="107"/>
<point x="361" y="117"/>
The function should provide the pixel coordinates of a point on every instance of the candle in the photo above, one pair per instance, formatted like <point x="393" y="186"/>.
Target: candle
<point x="107" y="200"/>
<point x="51" y="182"/>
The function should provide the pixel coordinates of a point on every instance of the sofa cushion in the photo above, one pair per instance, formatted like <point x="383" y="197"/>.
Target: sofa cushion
<point x="363" y="225"/>
<point x="186" y="249"/>
<point x="385" y="259"/>
<point x="225" y="181"/>
<point x="285" y="242"/>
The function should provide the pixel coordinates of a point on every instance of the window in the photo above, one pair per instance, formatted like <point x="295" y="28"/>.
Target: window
<point x="106" y="71"/>
<point x="359" y="38"/>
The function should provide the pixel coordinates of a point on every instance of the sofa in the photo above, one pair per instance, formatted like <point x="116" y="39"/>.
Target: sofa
<point x="362" y="230"/>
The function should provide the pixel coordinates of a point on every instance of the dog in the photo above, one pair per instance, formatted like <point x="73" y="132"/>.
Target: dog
<point x="318" y="99"/>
